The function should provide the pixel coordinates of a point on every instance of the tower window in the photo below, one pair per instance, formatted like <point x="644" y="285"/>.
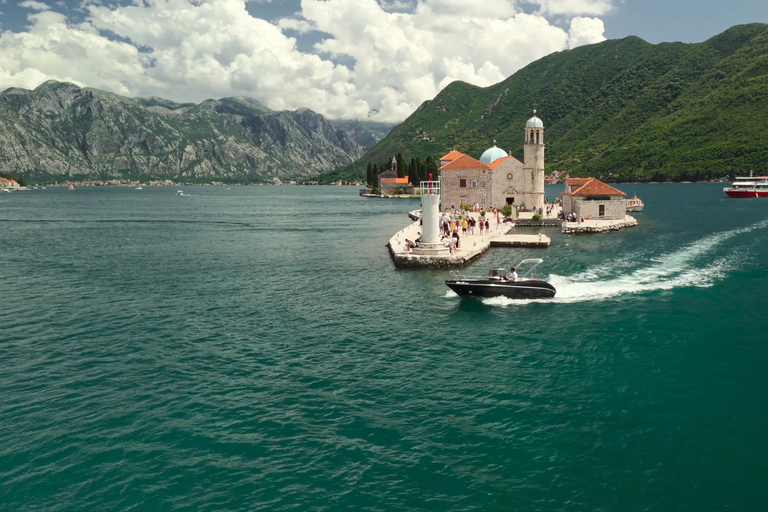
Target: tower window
<point x="462" y="183"/>
<point x="474" y="183"/>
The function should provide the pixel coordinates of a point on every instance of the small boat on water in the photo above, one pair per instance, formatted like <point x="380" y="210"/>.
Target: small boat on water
<point x="70" y="187"/>
<point x="139" y="188"/>
<point x="496" y="284"/>
<point x="748" y="186"/>
<point x="635" y="204"/>
<point x="179" y="192"/>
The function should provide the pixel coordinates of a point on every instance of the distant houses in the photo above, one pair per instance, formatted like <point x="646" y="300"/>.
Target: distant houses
<point x="6" y="184"/>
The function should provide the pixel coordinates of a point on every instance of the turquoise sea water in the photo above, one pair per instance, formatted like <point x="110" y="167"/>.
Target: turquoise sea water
<point x="253" y="348"/>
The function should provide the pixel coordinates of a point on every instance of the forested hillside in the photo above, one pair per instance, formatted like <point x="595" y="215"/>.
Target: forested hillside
<point x="624" y="109"/>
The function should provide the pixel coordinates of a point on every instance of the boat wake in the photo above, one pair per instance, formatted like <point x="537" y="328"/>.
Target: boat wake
<point x="678" y="269"/>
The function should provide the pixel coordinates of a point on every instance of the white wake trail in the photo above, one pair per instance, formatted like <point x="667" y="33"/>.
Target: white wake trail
<point x="674" y="270"/>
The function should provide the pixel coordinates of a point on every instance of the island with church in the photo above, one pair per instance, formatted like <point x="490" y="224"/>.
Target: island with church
<point x="476" y="204"/>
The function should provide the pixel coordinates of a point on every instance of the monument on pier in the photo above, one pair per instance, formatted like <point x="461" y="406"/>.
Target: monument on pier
<point x="430" y="219"/>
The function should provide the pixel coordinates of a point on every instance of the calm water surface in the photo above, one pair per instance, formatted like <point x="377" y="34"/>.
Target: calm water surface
<point x="253" y="348"/>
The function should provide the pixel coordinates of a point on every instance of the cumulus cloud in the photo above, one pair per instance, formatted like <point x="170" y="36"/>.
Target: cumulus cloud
<point x="574" y="7"/>
<point x="35" y="6"/>
<point x="369" y="58"/>
<point x="585" y="31"/>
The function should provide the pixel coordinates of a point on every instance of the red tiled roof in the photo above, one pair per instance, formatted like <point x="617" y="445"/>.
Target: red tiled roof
<point x="497" y="162"/>
<point x="402" y="181"/>
<point x="465" y="162"/>
<point x="576" y="182"/>
<point x="595" y="187"/>
<point x="452" y="155"/>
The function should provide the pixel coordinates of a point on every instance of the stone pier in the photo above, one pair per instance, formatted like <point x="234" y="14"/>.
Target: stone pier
<point x="471" y="247"/>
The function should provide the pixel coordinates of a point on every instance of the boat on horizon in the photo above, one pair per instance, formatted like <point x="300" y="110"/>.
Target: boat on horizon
<point x="748" y="186"/>
<point x="497" y="285"/>
<point x="635" y="204"/>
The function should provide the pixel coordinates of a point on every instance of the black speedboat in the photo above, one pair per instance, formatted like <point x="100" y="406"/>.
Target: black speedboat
<point x="497" y="285"/>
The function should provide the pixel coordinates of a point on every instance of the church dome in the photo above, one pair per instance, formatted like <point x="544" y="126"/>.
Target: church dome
<point x="534" y="122"/>
<point x="490" y="155"/>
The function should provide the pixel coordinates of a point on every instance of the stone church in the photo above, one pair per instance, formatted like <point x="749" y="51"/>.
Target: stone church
<point x="497" y="179"/>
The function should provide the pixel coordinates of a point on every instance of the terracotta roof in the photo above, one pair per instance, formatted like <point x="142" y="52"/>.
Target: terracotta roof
<point x="595" y="187"/>
<point x="388" y="173"/>
<point x="497" y="162"/>
<point x="576" y="182"/>
<point x="401" y="181"/>
<point x="465" y="162"/>
<point x="452" y="155"/>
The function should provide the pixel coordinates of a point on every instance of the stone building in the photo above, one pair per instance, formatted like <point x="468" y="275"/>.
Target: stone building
<point x="9" y="184"/>
<point x="497" y="178"/>
<point x="389" y="182"/>
<point x="590" y="198"/>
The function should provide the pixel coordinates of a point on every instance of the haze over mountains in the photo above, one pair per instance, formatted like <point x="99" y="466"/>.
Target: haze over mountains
<point x="624" y="110"/>
<point x="61" y="132"/>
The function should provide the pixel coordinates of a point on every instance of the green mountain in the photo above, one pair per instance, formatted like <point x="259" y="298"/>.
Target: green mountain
<point x="622" y="109"/>
<point x="63" y="132"/>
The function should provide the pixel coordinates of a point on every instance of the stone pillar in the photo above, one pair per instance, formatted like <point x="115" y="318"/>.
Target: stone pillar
<point x="430" y="218"/>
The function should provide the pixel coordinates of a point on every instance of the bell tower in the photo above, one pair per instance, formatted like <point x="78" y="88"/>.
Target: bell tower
<point x="534" y="163"/>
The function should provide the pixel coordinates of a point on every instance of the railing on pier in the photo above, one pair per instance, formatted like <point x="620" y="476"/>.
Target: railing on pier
<point x="429" y="188"/>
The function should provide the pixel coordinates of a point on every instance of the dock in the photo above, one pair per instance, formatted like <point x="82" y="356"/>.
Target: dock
<point x="598" y="225"/>
<point x="471" y="247"/>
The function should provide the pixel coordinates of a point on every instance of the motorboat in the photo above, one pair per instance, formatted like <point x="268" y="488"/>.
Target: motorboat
<point x="635" y="204"/>
<point x="179" y="192"/>
<point x="748" y="186"/>
<point x="139" y="188"/>
<point x="497" y="285"/>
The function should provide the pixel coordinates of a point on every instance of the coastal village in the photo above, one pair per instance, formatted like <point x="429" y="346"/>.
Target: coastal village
<point x="477" y="203"/>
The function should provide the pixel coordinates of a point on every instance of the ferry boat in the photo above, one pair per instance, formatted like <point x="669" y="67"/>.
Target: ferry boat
<point x="635" y="204"/>
<point x="496" y="285"/>
<point x="748" y="186"/>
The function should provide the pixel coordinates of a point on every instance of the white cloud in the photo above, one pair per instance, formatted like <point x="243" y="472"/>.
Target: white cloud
<point x="35" y="6"/>
<point x="585" y="31"/>
<point x="574" y="7"/>
<point x="189" y="51"/>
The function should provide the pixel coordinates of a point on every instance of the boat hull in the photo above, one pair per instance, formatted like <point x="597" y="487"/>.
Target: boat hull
<point x="635" y="208"/>
<point x="746" y="193"/>
<point x="482" y="289"/>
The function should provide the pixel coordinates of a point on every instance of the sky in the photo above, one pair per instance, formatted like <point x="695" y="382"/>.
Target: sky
<point x="346" y="59"/>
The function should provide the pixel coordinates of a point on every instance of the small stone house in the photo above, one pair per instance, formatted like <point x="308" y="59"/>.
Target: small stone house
<point x="465" y="181"/>
<point x="590" y="198"/>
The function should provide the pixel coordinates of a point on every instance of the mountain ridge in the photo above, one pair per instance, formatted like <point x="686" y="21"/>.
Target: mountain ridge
<point x="60" y="131"/>
<point x="624" y="110"/>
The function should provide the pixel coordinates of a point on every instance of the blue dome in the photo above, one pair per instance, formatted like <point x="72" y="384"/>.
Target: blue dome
<point x="534" y="122"/>
<point x="490" y="155"/>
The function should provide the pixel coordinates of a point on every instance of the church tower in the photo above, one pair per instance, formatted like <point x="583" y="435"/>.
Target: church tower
<point x="534" y="163"/>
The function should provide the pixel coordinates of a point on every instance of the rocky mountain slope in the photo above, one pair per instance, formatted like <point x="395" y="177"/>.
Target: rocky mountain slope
<point x="621" y="109"/>
<point x="60" y="131"/>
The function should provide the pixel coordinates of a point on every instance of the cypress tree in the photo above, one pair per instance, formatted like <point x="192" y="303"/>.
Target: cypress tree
<point x="370" y="175"/>
<point x="401" y="168"/>
<point x="432" y="167"/>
